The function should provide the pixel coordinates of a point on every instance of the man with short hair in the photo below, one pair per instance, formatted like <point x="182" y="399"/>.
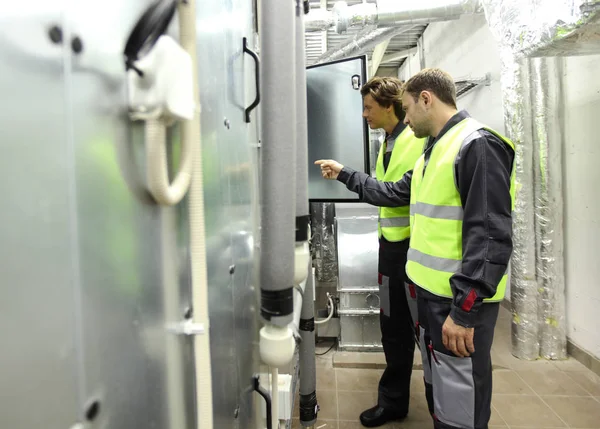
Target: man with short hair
<point x="397" y="155"/>
<point x="461" y="193"/>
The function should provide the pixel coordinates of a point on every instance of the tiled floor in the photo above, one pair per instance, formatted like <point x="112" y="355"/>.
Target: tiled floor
<point x="538" y="395"/>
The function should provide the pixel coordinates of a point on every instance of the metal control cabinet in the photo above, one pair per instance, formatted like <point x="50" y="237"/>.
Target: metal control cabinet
<point x="357" y="250"/>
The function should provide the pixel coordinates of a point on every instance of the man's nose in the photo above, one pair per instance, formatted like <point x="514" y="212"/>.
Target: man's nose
<point x="406" y="121"/>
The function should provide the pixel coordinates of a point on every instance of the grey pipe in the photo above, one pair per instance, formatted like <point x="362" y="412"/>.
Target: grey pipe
<point x="301" y="118"/>
<point x="306" y="325"/>
<point x="389" y="13"/>
<point x="278" y="156"/>
<point x="308" y="368"/>
<point x="548" y="142"/>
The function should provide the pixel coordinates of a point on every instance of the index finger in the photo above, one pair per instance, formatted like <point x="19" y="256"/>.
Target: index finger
<point x="320" y="161"/>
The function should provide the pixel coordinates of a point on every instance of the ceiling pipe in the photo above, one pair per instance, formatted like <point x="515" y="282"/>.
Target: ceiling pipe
<point x="387" y="13"/>
<point x="387" y="19"/>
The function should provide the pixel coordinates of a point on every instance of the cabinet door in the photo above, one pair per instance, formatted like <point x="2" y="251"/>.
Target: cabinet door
<point x="336" y="128"/>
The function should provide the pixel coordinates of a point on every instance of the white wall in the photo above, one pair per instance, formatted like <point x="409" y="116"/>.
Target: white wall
<point x="582" y="201"/>
<point x="464" y="48"/>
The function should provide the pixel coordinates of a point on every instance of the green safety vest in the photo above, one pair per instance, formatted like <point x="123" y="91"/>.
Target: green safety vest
<point x="436" y="214"/>
<point x="394" y="222"/>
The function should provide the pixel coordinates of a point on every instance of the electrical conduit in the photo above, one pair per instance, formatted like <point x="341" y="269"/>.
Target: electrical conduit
<point x="191" y="134"/>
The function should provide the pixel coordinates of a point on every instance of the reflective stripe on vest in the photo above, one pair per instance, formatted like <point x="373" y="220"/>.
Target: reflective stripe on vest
<point x="394" y="222"/>
<point x="436" y="214"/>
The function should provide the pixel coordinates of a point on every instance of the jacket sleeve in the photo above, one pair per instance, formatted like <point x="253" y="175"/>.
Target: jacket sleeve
<point x="372" y="191"/>
<point x="483" y="172"/>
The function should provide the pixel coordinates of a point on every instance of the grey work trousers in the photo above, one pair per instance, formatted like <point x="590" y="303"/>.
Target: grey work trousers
<point x="458" y="390"/>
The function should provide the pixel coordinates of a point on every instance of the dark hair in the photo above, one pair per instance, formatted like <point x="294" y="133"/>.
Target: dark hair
<point x="386" y="91"/>
<point x="434" y="80"/>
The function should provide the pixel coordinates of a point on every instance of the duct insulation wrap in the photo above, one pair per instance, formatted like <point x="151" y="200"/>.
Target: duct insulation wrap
<point x="535" y="28"/>
<point x="361" y="43"/>
<point x="548" y="143"/>
<point x="524" y="286"/>
<point x="532" y="103"/>
<point x="360" y="15"/>
<point x="323" y="242"/>
<point x="394" y="12"/>
<point x="301" y="118"/>
<point x="278" y="158"/>
<point x="319" y="20"/>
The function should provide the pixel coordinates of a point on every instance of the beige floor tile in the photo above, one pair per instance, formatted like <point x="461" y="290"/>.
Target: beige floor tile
<point x="328" y="404"/>
<point x="325" y="361"/>
<point x="368" y="360"/>
<point x="417" y="385"/>
<point x="496" y="420"/>
<point x="526" y="411"/>
<point x="502" y="357"/>
<point x="552" y="382"/>
<point x="351" y="404"/>
<point x="365" y="360"/>
<point x="570" y="365"/>
<point x="321" y="424"/>
<point x="588" y="380"/>
<point x="576" y="412"/>
<point x="325" y="378"/>
<point x="418" y="410"/>
<point x="509" y="382"/>
<point x="418" y="360"/>
<point x="358" y="380"/>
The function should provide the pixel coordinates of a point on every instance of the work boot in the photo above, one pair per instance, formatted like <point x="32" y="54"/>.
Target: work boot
<point x="378" y="416"/>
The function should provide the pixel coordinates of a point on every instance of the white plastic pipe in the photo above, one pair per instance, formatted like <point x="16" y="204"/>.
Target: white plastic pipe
<point x="191" y="133"/>
<point x="331" y="311"/>
<point x="275" y="397"/>
<point x="157" y="167"/>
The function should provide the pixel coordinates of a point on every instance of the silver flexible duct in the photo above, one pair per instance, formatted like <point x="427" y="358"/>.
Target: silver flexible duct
<point x="524" y="286"/>
<point x="361" y="43"/>
<point x="387" y="13"/>
<point x="393" y="12"/>
<point x="533" y="120"/>
<point x="537" y="28"/>
<point x="548" y="142"/>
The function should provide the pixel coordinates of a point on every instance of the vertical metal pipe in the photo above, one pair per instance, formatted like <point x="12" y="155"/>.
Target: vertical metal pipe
<point x="301" y="118"/>
<point x="308" y="369"/>
<point x="308" y="374"/>
<point x="278" y="160"/>
<point x="548" y="141"/>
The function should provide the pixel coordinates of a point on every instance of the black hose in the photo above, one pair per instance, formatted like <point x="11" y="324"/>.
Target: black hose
<point x="151" y="25"/>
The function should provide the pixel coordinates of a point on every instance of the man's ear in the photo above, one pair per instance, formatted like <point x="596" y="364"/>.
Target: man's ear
<point x="427" y="98"/>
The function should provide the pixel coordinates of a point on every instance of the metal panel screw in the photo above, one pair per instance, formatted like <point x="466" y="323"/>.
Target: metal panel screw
<point x="227" y="123"/>
<point x="55" y="33"/>
<point x="188" y="313"/>
<point x="77" y="45"/>
<point x="92" y="411"/>
<point x="236" y="412"/>
<point x="232" y="269"/>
